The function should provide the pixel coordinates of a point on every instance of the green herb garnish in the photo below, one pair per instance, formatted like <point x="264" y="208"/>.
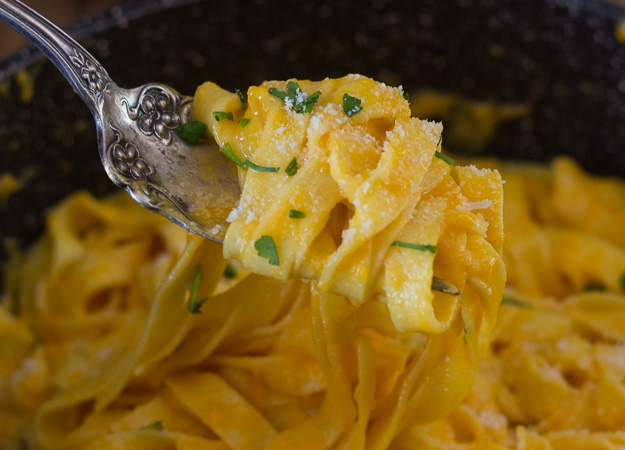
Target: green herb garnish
<point x="244" y="122"/>
<point x="422" y="247"/>
<point x="404" y="93"/>
<point x="511" y="301"/>
<point x="242" y="98"/>
<point x="194" y="304"/>
<point x="192" y="132"/>
<point x="227" y="150"/>
<point x="266" y="248"/>
<point x="622" y="280"/>
<point x="258" y="168"/>
<point x="295" y="214"/>
<point x="594" y="286"/>
<point x="35" y="343"/>
<point x="291" y="169"/>
<point x="351" y="105"/>
<point x="295" y="98"/>
<point x="156" y="426"/>
<point x="440" y="139"/>
<point x="307" y="104"/>
<point x="230" y="272"/>
<point x="278" y="93"/>
<point x="440" y="285"/>
<point x="445" y="158"/>
<point x="221" y="115"/>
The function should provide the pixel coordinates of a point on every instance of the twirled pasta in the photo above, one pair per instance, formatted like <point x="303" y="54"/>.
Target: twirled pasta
<point x="365" y="180"/>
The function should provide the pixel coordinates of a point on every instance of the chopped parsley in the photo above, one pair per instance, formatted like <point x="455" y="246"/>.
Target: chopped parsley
<point x="282" y="95"/>
<point x="594" y="286"/>
<point x="244" y="122"/>
<point x="440" y="285"/>
<point x="308" y="103"/>
<point x="291" y="169"/>
<point x="295" y="214"/>
<point x="445" y="158"/>
<point x="194" y="304"/>
<point x="156" y="426"/>
<point x="295" y="98"/>
<point x="230" y="272"/>
<point x="351" y="105"/>
<point x="258" y="168"/>
<point x="192" y="132"/>
<point x="242" y="98"/>
<point x="227" y="150"/>
<point x="404" y="93"/>
<point x="511" y="301"/>
<point x="221" y="115"/>
<point x="266" y="248"/>
<point x="422" y="247"/>
<point x="622" y="280"/>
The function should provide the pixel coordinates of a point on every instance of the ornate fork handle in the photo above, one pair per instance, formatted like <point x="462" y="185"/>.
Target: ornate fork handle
<point x="88" y="78"/>
<point x="192" y="185"/>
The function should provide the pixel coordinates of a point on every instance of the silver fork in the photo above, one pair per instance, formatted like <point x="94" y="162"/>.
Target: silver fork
<point x="192" y="185"/>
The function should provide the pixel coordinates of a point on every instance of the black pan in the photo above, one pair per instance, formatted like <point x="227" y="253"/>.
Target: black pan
<point x="560" y="58"/>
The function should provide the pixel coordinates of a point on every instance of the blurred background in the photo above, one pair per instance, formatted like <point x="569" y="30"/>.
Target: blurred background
<point x="65" y="12"/>
<point x="61" y="12"/>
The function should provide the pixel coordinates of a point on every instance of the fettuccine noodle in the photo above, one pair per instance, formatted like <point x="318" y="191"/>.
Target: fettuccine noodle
<point x="100" y="347"/>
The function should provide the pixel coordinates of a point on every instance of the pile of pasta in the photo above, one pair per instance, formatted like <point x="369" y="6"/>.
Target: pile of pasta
<point x="100" y="348"/>
<point x="118" y="330"/>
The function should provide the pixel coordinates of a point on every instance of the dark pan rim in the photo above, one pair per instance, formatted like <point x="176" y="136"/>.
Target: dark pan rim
<point x="120" y="16"/>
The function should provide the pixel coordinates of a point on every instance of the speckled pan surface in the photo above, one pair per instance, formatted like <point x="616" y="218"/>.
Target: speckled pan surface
<point x="560" y="57"/>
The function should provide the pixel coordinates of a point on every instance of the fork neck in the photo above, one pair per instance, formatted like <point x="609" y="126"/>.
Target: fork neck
<point x="88" y="78"/>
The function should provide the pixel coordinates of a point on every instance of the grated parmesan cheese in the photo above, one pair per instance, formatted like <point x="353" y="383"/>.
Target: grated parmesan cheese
<point x="482" y="204"/>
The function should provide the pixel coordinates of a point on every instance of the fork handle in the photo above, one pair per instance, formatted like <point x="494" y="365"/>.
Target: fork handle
<point x="88" y="78"/>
